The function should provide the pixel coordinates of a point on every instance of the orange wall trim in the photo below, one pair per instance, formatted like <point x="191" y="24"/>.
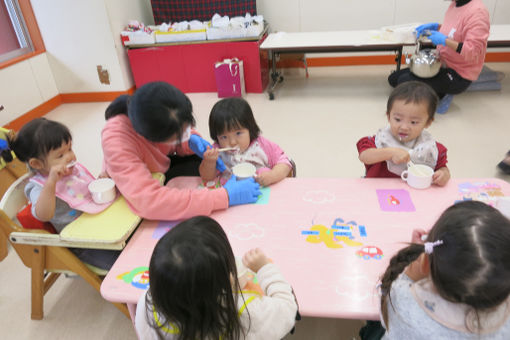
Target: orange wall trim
<point x="54" y="102"/>
<point x="39" y="111"/>
<point x="87" y="97"/>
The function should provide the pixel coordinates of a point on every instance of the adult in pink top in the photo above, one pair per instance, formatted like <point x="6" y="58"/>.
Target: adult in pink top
<point x="461" y="41"/>
<point x="140" y="134"/>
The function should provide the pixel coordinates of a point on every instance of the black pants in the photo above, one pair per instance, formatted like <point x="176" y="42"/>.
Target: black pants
<point x="183" y="166"/>
<point x="373" y="330"/>
<point x="447" y="81"/>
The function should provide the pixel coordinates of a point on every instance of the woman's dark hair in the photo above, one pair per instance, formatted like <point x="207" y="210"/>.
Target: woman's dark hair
<point x="230" y="114"/>
<point x="193" y="277"/>
<point x="471" y="266"/>
<point x="157" y="111"/>
<point x="36" y="139"/>
<point x="414" y="92"/>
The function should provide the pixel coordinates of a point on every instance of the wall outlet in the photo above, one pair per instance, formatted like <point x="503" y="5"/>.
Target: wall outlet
<point x="104" y="76"/>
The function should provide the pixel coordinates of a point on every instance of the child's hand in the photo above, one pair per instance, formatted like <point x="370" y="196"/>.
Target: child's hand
<point x="211" y="154"/>
<point x="400" y="156"/>
<point x="255" y="259"/>
<point x="441" y="177"/>
<point x="59" y="171"/>
<point x="265" y="179"/>
<point x="103" y="174"/>
<point x="417" y="236"/>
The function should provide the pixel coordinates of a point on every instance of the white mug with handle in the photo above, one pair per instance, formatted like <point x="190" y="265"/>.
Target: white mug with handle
<point x="418" y="176"/>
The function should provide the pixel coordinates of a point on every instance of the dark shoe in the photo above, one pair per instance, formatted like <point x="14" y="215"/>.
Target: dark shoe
<point x="504" y="167"/>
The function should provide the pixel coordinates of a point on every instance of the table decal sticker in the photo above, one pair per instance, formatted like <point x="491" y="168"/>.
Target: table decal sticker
<point x="333" y="236"/>
<point x="138" y="277"/>
<point x="162" y="228"/>
<point x="370" y="252"/>
<point x="479" y="191"/>
<point x="246" y="231"/>
<point x="395" y="200"/>
<point x="264" y="196"/>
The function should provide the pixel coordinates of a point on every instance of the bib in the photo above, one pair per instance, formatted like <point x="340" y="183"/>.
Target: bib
<point x="423" y="150"/>
<point x="458" y="316"/>
<point x="73" y="190"/>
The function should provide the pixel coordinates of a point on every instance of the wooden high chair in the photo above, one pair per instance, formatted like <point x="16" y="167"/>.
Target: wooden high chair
<point x="9" y="172"/>
<point x="46" y="262"/>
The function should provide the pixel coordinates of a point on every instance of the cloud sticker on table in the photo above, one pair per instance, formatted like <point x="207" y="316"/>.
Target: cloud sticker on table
<point x="247" y="231"/>
<point x="319" y="197"/>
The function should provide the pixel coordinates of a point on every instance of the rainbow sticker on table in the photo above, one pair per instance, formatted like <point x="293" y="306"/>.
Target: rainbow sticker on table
<point x="138" y="277"/>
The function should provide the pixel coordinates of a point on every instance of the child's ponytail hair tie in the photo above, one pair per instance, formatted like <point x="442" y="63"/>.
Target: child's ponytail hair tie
<point x="429" y="246"/>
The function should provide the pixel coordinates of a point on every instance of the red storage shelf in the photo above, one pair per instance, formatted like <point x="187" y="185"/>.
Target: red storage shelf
<point x="190" y="67"/>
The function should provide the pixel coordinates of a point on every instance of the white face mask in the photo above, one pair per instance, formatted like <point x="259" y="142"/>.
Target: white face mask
<point x="184" y="138"/>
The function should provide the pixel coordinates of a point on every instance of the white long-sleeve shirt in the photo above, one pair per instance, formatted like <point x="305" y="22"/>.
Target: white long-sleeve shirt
<point x="270" y="317"/>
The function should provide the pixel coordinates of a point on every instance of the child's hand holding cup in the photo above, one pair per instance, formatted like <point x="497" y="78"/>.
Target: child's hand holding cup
<point x="418" y="176"/>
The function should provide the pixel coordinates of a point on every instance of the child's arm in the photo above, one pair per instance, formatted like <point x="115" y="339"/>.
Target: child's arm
<point x="45" y="206"/>
<point x="377" y="155"/>
<point x="273" y="315"/>
<point x="276" y="174"/>
<point x="207" y="168"/>
<point x="441" y="176"/>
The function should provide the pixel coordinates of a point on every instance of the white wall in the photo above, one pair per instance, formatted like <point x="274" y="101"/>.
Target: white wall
<point x="78" y="36"/>
<point x="24" y="86"/>
<point x="120" y="12"/>
<point x="334" y="15"/>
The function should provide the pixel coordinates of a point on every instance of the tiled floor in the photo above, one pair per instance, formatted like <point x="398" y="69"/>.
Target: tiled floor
<point x="317" y="121"/>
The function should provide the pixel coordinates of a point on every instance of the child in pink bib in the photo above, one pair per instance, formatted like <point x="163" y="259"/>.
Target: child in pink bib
<point x="58" y="189"/>
<point x="73" y="189"/>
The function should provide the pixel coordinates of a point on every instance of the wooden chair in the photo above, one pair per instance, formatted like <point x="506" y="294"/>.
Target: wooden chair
<point x="46" y="262"/>
<point x="9" y="172"/>
<point x="294" y="170"/>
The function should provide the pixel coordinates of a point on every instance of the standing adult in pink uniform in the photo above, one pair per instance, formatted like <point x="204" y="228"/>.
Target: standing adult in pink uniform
<point x="462" y="42"/>
<point x="142" y="135"/>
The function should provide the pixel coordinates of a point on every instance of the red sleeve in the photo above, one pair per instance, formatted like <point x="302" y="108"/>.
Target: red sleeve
<point x="441" y="156"/>
<point x="365" y="143"/>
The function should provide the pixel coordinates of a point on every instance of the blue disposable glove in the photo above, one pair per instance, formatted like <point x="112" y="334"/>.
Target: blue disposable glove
<point x="431" y="26"/>
<point x="242" y="192"/>
<point x="199" y="146"/>
<point x="437" y="38"/>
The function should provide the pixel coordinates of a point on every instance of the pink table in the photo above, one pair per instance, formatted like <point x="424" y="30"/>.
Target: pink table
<point x="329" y="275"/>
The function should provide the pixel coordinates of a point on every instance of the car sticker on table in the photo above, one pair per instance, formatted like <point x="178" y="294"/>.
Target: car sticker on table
<point x="395" y="200"/>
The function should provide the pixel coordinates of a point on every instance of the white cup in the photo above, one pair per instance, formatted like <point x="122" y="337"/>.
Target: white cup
<point x="418" y="176"/>
<point x="244" y="170"/>
<point x="503" y="205"/>
<point x="102" y="190"/>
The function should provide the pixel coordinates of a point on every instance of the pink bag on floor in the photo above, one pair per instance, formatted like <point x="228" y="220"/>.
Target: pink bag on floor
<point x="229" y="75"/>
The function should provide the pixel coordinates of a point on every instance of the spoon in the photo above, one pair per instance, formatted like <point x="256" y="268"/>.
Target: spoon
<point x="71" y="164"/>
<point x="419" y="172"/>
<point x="235" y="148"/>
